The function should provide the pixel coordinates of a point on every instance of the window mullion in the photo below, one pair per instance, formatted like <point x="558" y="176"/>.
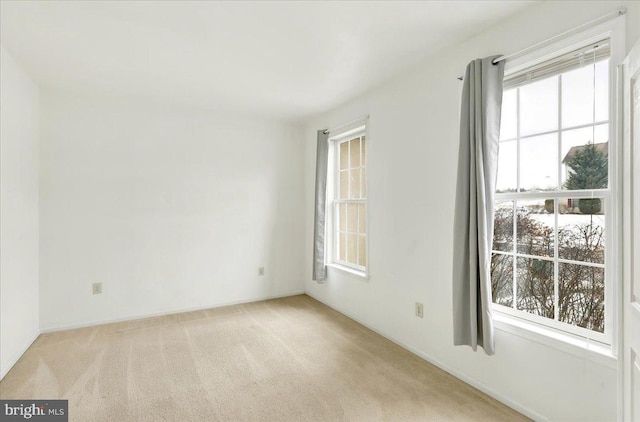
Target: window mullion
<point x="518" y="140"/>
<point x="564" y="129"/>
<point x="515" y="208"/>
<point x="361" y="181"/>
<point x="515" y="252"/>
<point x="357" y="228"/>
<point x="336" y="211"/>
<point x="556" y="209"/>
<point x="559" y="132"/>
<point x="584" y="193"/>
<point x="348" y="168"/>
<point x="556" y="287"/>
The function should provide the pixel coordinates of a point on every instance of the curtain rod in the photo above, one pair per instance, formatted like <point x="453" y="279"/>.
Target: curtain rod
<point x="594" y="22"/>
<point x="620" y="12"/>
<point x="365" y="117"/>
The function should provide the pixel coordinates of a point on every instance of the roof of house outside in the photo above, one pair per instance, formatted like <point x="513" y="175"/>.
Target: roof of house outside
<point x="602" y="147"/>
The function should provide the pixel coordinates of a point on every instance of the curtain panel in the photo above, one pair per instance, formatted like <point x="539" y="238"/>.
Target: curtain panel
<point x="474" y="203"/>
<point x="319" y="230"/>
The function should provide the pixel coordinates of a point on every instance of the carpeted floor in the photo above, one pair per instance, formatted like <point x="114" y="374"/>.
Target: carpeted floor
<point x="290" y="359"/>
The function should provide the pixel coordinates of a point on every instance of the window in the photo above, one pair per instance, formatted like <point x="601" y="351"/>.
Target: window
<point x="349" y="205"/>
<point x="554" y="200"/>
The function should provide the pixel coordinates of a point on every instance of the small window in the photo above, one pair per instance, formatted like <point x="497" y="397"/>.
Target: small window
<point x="349" y="216"/>
<point x="554" y="200"/>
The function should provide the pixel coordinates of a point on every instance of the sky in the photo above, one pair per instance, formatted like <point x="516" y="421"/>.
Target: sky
<point x="540" y="151"/>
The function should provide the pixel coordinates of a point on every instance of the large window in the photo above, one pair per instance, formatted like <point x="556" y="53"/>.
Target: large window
<point x="349" y="246"/>
<point x="554" y="202"/>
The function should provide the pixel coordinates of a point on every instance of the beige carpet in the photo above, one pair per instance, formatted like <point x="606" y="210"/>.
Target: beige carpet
<point x="290" y="359"/>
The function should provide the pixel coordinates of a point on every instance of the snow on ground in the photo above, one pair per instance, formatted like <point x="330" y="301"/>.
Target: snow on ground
<point x="565" y="220"/>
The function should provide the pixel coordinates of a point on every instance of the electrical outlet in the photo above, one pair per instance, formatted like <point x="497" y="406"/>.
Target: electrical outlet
<point x="260" y="271"/>
<point x="97" y="288"/>
<point x="419" y="310"/>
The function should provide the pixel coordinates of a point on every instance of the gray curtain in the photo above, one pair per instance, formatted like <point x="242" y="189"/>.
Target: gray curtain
<point x="473" y="218"/>
<point x="322" y="157"/>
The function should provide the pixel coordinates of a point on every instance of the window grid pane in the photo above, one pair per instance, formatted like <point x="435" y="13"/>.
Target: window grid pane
<point x="538" y="106"/>
<point x="344" y="155"/>
<point x="535" y="287"/>
<point x="354" y="148"/>
<point x="344" y="184"/>
<point x="354" y="183"/>
<point x="502" y="279"/>
<point x="535" y="228"/>
<point x="362" y="251"/>
<point x="538" y="163"/>
<point x="581" y="290"/>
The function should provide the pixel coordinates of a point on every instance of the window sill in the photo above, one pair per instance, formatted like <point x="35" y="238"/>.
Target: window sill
<point x="349" y="271"/>
<point x="581" y="347"/>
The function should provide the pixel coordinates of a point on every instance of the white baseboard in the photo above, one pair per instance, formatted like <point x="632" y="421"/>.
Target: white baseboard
<point x="163" y="313"/>
<point x="471" y="381"/>
<point x="16" y="356"/>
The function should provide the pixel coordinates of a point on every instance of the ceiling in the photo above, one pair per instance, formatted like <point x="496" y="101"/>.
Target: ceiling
<point x="285" y="59"/>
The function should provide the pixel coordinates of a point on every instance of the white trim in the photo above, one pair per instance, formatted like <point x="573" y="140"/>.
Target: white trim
<point x="347" y="133"/>
<point x="163" y="313"/>
<point x="629" y="72"/>
<point x="549" y="259"/>
<point x="16" y="356"/>
<point x="558" y="339"/>
<point x="348" y="124"/>
<point x="565" y="129"/>
<point x="577" y="30"/>
<point x="567" y="45"/>
<point x="462" y="377"/>
<point x="367" y="214"/>
<point x="552" y="325"/>
<point x="551" y="194"/>
<point x="349" y="270"/>
<point x="347" y="264"/>
<point x="614" y="31"/>
<point x="332" y="256"/>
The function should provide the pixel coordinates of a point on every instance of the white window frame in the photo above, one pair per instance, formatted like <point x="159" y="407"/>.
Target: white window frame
<point x="542" y="329"/>
<point x="333" y="189"/>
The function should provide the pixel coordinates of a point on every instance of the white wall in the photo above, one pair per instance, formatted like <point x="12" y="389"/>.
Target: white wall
<point x="412" y="159"/>
<point x="633" y="23"/>
<point x="18" y="212"/>
<point x="170" y="209"/>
